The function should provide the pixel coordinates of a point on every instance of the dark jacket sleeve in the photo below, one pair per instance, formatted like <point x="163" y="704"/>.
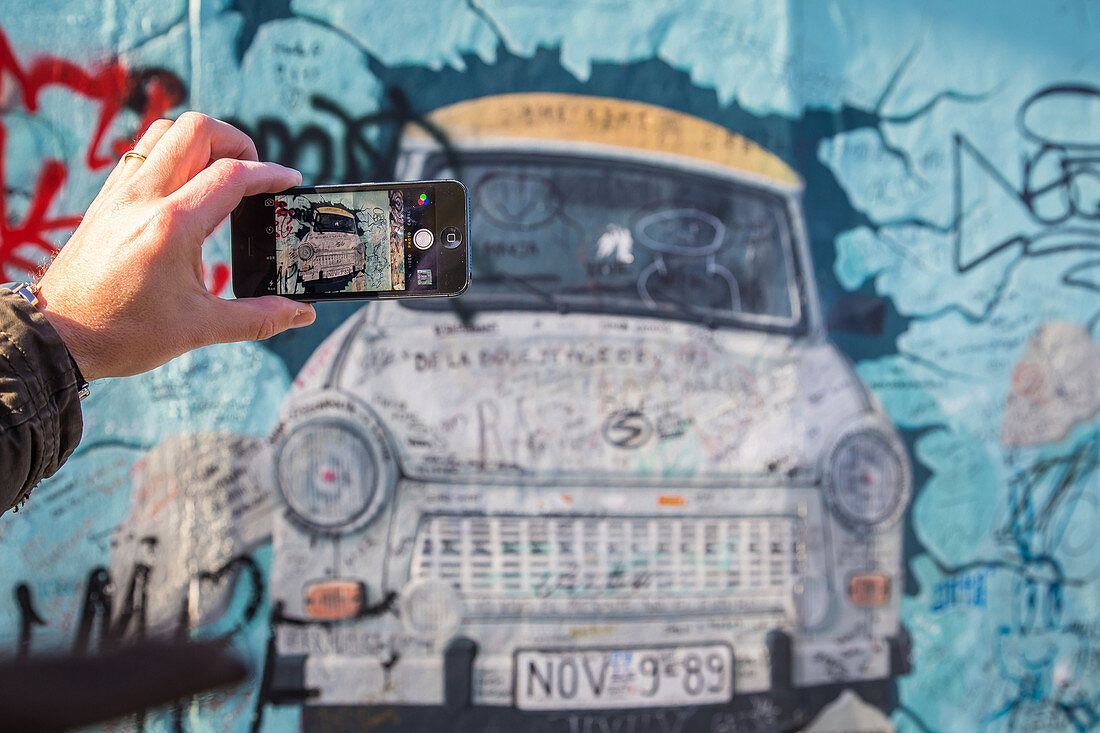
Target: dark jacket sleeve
<point x="40" y="421"/>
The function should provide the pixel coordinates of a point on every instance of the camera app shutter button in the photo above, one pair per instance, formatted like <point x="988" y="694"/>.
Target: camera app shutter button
<point x="423" y="238"/>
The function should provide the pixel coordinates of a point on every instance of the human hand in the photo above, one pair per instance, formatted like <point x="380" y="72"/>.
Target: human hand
<point x="126" y="293"/>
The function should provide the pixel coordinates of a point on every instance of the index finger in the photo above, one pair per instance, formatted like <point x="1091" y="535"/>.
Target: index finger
<point x="192" y="143"/>
<point x="208" y="198"/>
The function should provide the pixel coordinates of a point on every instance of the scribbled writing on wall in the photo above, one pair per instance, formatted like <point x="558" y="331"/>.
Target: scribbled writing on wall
<point x="1059" y="191"/>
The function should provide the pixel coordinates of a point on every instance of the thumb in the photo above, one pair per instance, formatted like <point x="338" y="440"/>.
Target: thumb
<point x="256" y="319"/>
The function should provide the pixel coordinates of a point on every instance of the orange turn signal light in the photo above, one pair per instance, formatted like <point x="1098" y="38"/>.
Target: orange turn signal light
<point x="868" y="590"/>
<point x="332" y="600"/>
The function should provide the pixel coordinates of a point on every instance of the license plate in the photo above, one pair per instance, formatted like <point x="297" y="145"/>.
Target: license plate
<point x="587" y="679"/>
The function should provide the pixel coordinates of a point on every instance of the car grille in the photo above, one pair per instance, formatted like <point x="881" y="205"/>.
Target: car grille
<point x="507" y="565"/>
<point x="336" y="259"/>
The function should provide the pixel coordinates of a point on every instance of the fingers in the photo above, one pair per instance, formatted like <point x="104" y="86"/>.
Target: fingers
<point x="152" y="135"/>
<point x="143" y="146"/>
<point x="192" y="143"/>
<point x="205" y="200"/>
<point x="254" y="319"/>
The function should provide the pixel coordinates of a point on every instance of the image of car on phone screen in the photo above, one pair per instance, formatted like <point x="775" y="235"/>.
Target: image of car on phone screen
<point x="627" y="472"/>
<point x="343" y="245"/>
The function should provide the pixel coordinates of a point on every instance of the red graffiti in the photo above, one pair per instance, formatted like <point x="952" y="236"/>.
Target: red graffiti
<point x="111" y="85"/>
<point x="16" y="239"/>
<point x="24" y="245"/>
<point x="284" y="225"/>
<point x="216" y="277"/>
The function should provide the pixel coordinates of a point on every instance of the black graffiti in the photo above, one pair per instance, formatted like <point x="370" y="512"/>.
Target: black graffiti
<point x="1042" y="496"/>
<point x="763" y="714"/>
<point x="657" y="721"/>
<point x="99" y="628"/>
<point x="28" y="618"/>
<point x="365" y="149"/>
<point x="268" y="694"/>
<point x="386" y="605"/>
<point x="627" y="429"/>
<point x="154" y="89"/>
<point x="97" y="606"/>
<point x="1059" y="192"/>
<point x="375" y="217"/>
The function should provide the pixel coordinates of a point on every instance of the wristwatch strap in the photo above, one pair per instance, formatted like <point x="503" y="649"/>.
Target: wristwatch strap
<point x="30" y="292"/>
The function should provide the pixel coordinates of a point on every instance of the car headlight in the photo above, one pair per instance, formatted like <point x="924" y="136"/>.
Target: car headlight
<point x="867" y="480"/>
<point x="305" y="252"/>
<point x="329" y="473"/>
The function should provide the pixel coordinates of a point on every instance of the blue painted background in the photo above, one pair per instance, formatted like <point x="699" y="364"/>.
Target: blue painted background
<point x="951" y="153"/>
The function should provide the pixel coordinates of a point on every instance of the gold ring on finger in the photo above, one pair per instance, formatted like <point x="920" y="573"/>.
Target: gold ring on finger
<point x="137" y="156"/>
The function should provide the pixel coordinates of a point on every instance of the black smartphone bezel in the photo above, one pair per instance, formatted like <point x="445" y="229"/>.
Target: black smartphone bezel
<point x="253" y="243"/>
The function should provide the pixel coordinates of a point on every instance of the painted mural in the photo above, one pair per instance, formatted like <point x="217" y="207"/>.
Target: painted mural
<point x="773" y="403"/>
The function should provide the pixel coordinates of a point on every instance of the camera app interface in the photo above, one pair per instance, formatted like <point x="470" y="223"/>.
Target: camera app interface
<point x="352" y="242"/>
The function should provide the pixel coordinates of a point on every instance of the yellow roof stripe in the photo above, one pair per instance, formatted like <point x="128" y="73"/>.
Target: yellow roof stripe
<point x="619" y="123"/>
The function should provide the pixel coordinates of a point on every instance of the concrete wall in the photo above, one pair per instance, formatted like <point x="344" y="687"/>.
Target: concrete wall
<point x="935" y="169"/>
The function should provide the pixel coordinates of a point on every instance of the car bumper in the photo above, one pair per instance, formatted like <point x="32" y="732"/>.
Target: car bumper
<point x="462" y="674"/>
<point x="775" y="710"/>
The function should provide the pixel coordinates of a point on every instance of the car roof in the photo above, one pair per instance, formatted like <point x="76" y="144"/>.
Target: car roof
<point x="333" y="210"/>
<point x="618" y="126"/>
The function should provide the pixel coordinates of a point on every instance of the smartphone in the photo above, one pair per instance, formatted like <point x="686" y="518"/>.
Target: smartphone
<point x="358" y="241"/>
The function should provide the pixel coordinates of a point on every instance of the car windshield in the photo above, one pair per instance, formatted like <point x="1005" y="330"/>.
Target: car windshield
<point x="606" y="236"/>
<point x="334" y="223"/>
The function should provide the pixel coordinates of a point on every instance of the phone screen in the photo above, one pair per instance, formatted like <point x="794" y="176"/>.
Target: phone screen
<point x="361" y="241"/>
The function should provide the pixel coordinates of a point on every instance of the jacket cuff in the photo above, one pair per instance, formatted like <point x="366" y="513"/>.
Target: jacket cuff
<point x="40" y="418"/>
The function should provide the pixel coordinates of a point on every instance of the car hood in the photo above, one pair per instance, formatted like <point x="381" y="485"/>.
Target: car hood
<point x="582" y="397"/>
<point x="331" y="240"/>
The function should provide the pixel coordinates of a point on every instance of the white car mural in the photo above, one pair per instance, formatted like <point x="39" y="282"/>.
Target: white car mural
<point x="626" y="471"/>
<point x="331" y="253"/>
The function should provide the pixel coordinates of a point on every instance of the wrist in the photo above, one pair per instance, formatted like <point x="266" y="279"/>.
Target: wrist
<point x="70" y="333"/>
<point x="76" y="341"/>
<point x="73" y="340"/>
